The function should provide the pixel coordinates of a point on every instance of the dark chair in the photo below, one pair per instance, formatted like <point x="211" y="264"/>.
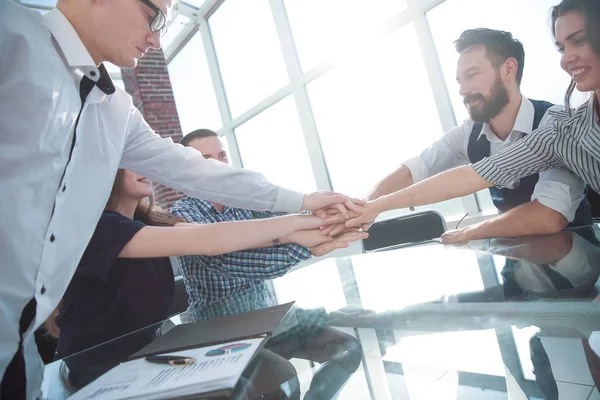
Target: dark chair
<point x="180" y="300"/>
<point x="594" y="199"/>
<point x="411" y="228"/>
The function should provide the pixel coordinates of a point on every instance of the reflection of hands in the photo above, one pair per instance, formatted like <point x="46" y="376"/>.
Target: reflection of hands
<point x="321" y="201"/>
<point x="342" y="241"/>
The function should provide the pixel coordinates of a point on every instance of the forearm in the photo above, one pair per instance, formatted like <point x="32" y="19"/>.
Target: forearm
<point x="213" y="239"/>
<point x="454" y="183"/>
<point x="532" y="218"/>
<point x="397" y="180"/>
<point x="227" y="237"/>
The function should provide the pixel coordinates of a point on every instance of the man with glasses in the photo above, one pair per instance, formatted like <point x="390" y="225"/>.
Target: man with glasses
<point x="64" y="131"/>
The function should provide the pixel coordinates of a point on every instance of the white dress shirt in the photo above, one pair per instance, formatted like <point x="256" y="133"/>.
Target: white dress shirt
<point x="51" y="200"/>
<point x="557" y="189"/>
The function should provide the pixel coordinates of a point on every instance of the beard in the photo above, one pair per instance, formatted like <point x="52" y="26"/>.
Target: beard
<point x="491" y="106"/>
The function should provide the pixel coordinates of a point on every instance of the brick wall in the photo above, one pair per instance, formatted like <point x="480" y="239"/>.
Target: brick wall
<point x="150" y="87"/>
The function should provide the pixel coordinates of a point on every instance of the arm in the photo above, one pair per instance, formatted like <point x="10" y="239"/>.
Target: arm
<point x="185" y="169"/>
<point x="554" y="203"/>
<point x="272" y="262"/>
<point x="399" y="179"/>
<point x="444" y="154"/>
<point x="530" y="155"/>
<point x="212" y="239"/>
<point x="532" y="218"/>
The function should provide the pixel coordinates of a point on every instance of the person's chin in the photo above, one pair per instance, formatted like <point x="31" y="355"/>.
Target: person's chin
<point x="585" y="87"/>
<point x="127" y="63"/>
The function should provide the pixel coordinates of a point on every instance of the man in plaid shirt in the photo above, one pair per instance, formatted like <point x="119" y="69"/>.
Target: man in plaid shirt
<point x="210" y="278"/>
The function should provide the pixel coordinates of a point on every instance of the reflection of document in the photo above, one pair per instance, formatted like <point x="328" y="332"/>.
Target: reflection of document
<point x="217" y="368"/>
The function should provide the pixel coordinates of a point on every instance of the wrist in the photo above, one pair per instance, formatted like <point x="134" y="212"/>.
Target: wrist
<point x="287" y="239"/>
<point x="381" y="204"/>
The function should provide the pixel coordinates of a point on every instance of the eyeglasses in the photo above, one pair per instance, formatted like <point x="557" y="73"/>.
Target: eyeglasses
<point x="158" y="23"/>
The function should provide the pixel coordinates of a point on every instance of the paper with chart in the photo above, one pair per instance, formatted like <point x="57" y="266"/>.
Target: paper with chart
<point x="217" y="367"/>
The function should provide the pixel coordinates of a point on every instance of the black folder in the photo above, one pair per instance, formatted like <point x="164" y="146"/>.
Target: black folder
<point x="217" y="330"/>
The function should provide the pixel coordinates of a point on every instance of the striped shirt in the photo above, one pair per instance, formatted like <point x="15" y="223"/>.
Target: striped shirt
<point x="209" y="278"/>
<point x="571" y="143"/>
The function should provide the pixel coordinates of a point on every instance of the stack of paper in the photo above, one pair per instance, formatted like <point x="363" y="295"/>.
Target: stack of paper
<point x="217" y="370"/>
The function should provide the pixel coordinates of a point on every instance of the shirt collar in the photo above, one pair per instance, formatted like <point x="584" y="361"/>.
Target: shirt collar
<point x="523" y="122"/>
<point x="70" y="44"/>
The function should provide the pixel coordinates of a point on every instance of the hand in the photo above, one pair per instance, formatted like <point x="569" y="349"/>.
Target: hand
<point x="459" y="236"/>
<point x="306" y="221"/>
<point x="335" y="229"/>
<point x="369" y="212"/>
<point x="339" y="242"/>
<point x="307" y="237"/>
<point x="320" y="201"/>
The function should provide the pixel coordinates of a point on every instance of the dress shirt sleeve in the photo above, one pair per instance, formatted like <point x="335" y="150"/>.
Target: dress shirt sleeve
<point x="559" y="190"/>
<point x="185" y="169"/>
<point x="528" y="156"/>
<point x="446" y="153"/>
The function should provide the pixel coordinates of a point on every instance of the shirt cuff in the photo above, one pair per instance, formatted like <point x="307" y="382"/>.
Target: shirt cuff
<point x="288" y="201"/>
<point x="298" y="253"/>
<point x="417" y="168"/>
<point x="550" y="194"/>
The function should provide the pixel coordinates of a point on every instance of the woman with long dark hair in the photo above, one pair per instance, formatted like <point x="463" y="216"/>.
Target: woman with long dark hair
<point x="572" y="143"/>
<point x="125" y="281"/>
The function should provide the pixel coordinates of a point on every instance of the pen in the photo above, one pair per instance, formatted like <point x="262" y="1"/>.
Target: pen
<point x="172" y="360"/>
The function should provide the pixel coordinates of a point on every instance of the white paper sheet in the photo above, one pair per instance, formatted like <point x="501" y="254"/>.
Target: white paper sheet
<point x="142" y="379"/>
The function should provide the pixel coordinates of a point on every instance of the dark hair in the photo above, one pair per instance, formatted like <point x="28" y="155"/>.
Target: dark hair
<point x="197" y="134"/>
<point x="499" y="45"/>
<point x="591" y="12"/>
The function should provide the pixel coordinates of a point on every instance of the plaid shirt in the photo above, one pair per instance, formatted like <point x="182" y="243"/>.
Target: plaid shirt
<point x="209" y="278"/>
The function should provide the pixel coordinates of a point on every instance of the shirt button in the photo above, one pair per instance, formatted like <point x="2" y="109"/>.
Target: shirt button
<point x="43" y="289"/>
<point x="92" y="73"/>
<point x="64" y="187"/>
<point x="52" y="238"/>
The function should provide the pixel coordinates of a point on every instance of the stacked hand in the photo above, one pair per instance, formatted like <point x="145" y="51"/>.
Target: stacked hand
<point x="361" y="216"/>
<point x="339" y="215"/>
<point x="321" y="243"/>
<point x="320" y="202"/>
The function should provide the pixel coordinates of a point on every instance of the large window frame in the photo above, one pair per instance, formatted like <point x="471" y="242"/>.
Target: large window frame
<point x="416" y="12"/>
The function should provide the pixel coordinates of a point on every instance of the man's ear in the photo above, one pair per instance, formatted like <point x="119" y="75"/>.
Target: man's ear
<point x="509" y="69"/>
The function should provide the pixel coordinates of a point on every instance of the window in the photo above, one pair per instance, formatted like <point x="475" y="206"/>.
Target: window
<point x="320" y="27"/>
<point x="273" y="143"/>
<point x="376" y="113"/>
<point x="248" y="52"/>
<point x="175" y="28"/>
<point x="193" y="88"/>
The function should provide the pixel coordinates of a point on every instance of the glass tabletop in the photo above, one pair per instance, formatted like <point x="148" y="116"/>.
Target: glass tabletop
<point x="494" y="319"/>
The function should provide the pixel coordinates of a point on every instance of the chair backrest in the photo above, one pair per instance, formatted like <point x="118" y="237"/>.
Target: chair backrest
<point x="411" y="228"/>
<point x="594" y="199"/>
<point x="180" y="299"/>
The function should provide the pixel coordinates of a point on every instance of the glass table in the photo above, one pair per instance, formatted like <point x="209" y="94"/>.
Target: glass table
<point x="494" y="319"/>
